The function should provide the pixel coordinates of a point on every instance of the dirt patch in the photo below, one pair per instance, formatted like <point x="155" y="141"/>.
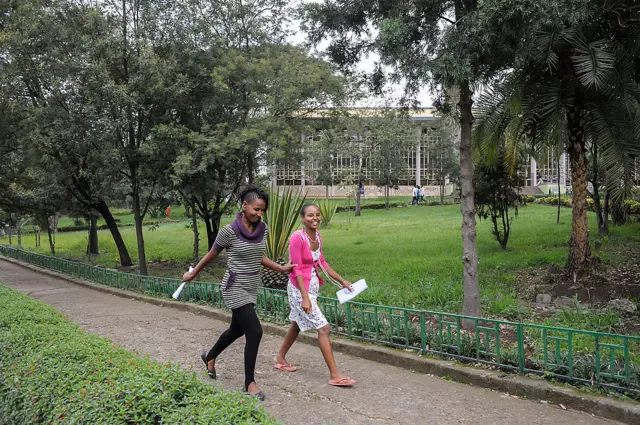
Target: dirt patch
<point x="604" y="283"/>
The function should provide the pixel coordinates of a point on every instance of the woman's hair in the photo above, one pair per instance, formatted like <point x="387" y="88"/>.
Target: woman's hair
<point x="251" y="193"/>
<point x="305" y="206"/>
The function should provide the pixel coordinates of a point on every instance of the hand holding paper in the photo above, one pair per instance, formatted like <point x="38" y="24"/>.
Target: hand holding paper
<point x="345" y="295"/>
<point x="176" y="294"/>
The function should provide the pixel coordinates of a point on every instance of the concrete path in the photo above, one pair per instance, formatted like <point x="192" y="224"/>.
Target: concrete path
<point x="384" y="394"/>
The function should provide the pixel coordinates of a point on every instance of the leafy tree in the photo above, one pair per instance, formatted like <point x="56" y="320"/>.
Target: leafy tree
<point x="577" y="80"/>
<point x="496" y="188"/>
<point x="389" y="136"/>
<point x="48" y="47"/>
<point x="443" y="158"/>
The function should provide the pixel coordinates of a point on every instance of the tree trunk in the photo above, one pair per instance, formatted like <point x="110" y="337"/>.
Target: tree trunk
<point x="326" y="192"/>
<point x="471" y="300"/>
<point x="212" y="223"/>
<point x="605" y="211"/>
<point x="596" y="191"/>
<point x="558" y="216"/>
<point x="598" y="209"/>
<point x="357" y="214"/>
<point x="579" y="253"/>
<point x="618" y="213"/>
<point x="123" y="253"/>
<point x="92" y="245"/>
<point x="10" y="233"/>
<point x="137" y="216"/>
<point x="386" y="195"/>
<point x="250" y="162"/>
<point x="52" y="242"/>
<point x="19" y="234"/>
<point x="196" y="239"/>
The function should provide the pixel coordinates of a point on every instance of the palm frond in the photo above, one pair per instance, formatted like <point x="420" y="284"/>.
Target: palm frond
<point x="593" y="62"/>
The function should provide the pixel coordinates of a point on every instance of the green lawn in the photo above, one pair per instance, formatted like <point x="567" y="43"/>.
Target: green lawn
<point x="409" y="256"/>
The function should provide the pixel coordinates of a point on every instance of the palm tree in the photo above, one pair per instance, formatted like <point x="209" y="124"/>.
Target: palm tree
<point x="577" y="83"/>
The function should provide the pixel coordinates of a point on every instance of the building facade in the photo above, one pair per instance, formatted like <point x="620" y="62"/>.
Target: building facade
<point x="547" y="175"/>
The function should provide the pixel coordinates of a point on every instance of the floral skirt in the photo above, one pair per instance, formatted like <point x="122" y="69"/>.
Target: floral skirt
<point x="313" y="320"/>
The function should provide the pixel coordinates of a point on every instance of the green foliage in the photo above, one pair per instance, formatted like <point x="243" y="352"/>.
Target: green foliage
<point x="580" y="317"/>
<point x="282" y="217"/>
<point x="554" y="200"/>
<point x="373" y="206"/>
<point x="404" y="253"/>
<point x="52" y="372"/>
<point x="327" y="210"/>
<point x="496" y="192"/>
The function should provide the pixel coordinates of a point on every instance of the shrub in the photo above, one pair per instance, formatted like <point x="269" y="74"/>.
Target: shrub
<point x="527" y="199"/>
<point x="632" y="207"/>
<point x="381" y="206"/>
<point x="53" y="372"/>
<point x="553" y="200"/>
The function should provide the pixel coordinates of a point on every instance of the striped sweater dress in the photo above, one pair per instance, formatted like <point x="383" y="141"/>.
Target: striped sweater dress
<point x="244" y="258"/>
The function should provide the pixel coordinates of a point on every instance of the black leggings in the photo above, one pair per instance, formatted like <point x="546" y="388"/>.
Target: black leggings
<point x="244" y="321"/>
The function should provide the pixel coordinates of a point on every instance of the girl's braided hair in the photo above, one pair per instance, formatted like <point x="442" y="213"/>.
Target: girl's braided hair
<point x="251" y="193"/>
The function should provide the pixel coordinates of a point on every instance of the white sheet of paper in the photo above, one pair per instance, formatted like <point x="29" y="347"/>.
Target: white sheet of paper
<point x="344" y="295"/>
<point x="181" y="287"/>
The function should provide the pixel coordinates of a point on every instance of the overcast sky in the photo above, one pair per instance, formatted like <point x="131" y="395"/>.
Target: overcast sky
<point x="367" y="64"/>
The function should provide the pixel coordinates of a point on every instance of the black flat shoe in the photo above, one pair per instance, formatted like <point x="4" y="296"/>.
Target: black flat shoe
<point x="210" y="372"/>
<point x="259" y="396"/>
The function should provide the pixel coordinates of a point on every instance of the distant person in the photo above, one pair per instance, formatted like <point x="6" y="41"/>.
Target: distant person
<point x="245" y="242"/>
<point x="305" y="250"/>
<point x="168" y="212"/>
<point x="416" y="195"/>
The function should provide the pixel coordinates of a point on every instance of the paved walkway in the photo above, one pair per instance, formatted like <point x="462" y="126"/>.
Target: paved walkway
<point x="384" y="394"/>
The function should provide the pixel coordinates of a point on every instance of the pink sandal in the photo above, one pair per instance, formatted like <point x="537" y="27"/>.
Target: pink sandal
<point x="342" y="382"/>
<point x="287" y="367"/>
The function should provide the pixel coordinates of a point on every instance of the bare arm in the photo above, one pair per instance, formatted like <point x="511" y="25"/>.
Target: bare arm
<point x="334" y="274"/>
<point x="277" y="267"/>
<point x="306" y="301"/>
<point x="204" y="262"/>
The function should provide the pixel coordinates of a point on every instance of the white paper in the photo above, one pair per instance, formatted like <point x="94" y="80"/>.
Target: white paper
<point x="344" y="295"/>
<point x="176" y="294"/>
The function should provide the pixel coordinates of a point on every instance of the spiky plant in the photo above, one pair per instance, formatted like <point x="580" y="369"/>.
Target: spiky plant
<point x="282" y="218"/>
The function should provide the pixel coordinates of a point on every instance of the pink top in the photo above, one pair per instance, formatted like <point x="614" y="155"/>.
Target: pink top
<point x="300" y="254"/>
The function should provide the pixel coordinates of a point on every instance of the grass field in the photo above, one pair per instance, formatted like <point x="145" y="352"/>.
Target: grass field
<point x="409" y="256"/>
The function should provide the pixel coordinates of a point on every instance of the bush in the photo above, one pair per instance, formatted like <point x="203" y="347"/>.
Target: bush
<point x="632" y="207"/>
<point x="381" y="206"/>
<point x="527" y="199"/>
<point x="53" y="372"/>
<point x="104" y="226"/>
<point x="553" y="200"/>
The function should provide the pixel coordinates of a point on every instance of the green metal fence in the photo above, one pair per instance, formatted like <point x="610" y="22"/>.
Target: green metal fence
<point x="591" y="358"/>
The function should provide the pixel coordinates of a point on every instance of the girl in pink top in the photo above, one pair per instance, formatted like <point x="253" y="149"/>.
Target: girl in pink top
<point x="305" y="251"/>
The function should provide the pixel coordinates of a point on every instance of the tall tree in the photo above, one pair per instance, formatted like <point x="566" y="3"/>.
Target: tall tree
<point x="578" y="76"/>
<point x="48" y="70"/>
<point x="389" y="137"/>
<point x="424" y="42"/>
<point x="139" y="85"/>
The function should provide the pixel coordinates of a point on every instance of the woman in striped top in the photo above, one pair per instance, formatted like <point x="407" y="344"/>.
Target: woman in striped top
<point x="244" y="240"/>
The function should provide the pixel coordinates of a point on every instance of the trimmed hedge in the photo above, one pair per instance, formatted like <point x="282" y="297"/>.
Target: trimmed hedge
<point x="377" y="206"/>
<point x="53" y="372"/>
<point x="632" y="207"/>
<point x="85" y="227"/>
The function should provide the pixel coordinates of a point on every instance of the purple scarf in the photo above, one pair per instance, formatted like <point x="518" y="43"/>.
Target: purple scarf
<point x="244" y="234"/>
